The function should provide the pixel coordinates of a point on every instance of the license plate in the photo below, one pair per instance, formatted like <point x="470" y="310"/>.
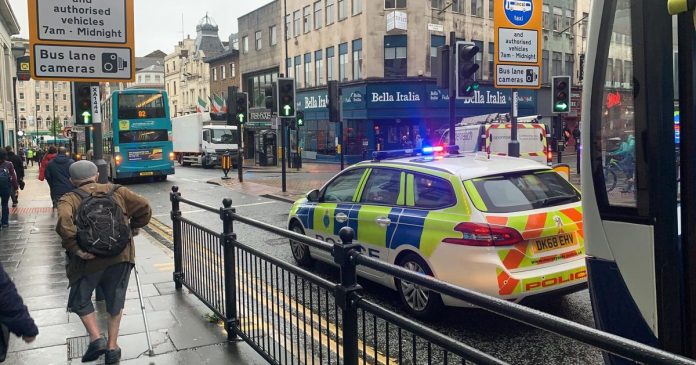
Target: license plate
<point x="148" y="173"/>
<point x="553" y="243"/>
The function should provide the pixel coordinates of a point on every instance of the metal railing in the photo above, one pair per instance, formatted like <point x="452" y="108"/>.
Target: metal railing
<point x="290" y="315"/>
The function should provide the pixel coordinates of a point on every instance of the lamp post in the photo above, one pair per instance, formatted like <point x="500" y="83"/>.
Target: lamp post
<point x="17" y="51"/>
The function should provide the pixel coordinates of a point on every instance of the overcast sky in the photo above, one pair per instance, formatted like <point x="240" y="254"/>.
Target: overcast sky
<point x="158" y="22"/>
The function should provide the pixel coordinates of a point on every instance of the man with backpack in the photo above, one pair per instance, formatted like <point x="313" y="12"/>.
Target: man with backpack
<point x="19" y="170"/>
<point x="8" y="183"/>
<point x="95" y="223"/>
<point x="58" y="175"/>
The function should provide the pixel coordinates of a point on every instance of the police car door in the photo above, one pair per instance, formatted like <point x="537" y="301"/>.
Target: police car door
<point x="380" y="203"/>
<point x="337" y="208"/>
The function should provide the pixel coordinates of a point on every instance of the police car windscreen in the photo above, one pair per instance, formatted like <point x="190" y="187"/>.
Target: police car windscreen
<point x="521" y="191"/>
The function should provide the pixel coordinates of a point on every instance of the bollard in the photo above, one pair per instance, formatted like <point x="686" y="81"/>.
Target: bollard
<point x="226" y="165"/>
<point x="346" y="293"/>
<point x="229" y="239"/>
<point x="175" y="215"/>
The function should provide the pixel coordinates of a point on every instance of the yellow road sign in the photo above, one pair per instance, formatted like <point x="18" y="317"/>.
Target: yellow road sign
<point x="517" y="33"/>
<point x="89" y="41"/>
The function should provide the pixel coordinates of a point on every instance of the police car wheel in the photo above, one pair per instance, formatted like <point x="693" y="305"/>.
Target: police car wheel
<point x="300" y="251"/>
<point x="417" y="300"/>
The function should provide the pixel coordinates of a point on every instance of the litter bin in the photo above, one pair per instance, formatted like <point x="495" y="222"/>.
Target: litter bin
<point x="267" y="153"/>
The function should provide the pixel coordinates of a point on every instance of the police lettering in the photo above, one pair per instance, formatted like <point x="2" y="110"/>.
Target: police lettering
<point x="545" y="283"/>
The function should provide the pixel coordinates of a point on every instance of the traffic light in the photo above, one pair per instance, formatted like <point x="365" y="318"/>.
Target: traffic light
<point x="286" y="98"/>
<point x="466" y="67"/>
<point x="560" y="92"/>
<point x="300" y="119"/>
<point x="271" y="101"/>
<point x="240" y="107"/>
<point x="82" y="103"/>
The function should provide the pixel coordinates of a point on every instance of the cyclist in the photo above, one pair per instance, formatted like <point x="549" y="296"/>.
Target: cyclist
<point x="626" y="156"/>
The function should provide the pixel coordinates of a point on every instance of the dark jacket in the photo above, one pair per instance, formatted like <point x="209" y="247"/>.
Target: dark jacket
<point x="14" y="184"/>
<point x="13" y="313"/>
<point x="135" y="207"/>
<point x="58" y="176"/>
<point x="18" y="164"/>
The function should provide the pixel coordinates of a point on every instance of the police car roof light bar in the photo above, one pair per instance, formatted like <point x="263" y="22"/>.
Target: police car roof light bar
<point x="391" y="154"/>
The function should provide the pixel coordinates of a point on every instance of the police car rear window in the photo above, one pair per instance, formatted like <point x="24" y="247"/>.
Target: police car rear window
<point x="520" y="191"/>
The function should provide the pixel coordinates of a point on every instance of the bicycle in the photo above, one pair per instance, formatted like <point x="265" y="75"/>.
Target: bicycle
<point x="611" y="167"/>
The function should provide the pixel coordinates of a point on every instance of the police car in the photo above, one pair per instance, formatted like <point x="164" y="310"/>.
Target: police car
<point x="506" y="227"/>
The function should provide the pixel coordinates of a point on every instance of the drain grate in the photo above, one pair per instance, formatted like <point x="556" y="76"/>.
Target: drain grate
<point x="77" y="347"/>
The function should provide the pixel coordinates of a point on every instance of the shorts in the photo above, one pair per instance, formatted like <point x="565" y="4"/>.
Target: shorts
<point x="114" y="284"/>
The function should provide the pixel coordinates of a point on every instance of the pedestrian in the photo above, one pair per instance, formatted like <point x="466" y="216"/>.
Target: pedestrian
<point x="50" y="155"/>
<point x="419" y="141"/>
<point x="14" y="314"/>
<point x="30" y="157"/>
<point x="86" y="267"/>
<point x="19" y="170"/>
<point x="8" y="181"/>
<point x="576" y="137"/>
<point x="58" y="175"/>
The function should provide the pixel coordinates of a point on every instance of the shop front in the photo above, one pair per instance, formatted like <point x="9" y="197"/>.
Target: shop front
<point x="383" y="115"/>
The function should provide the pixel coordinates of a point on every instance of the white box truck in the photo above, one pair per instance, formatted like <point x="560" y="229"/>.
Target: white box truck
<point x="199" y="140"/>
<point x="492" y="133"/>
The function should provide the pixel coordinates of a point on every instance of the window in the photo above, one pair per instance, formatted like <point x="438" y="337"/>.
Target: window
<point x="570" y="18"/>
<point x="307" y="18"/>
<point x="357" y="7"/>
<point x="546" y="17"/>
<point x="557" y="19"/>
<point x="395" y="52"/>
<point x="47" y="97"/>
<point x="430" y="192"/>
<point x="139" y="106"/>
<point x="288" y="67"/>
<point x="477" y="8"/>
<point x="37" y="95"/>
<point x="308" y="80"/>
<point x="288" y="27"/>
<point x="516" y="192"/>
<point x="48" y="108"/>
<point x="436" y="4"/>
<point x="318" y="68"/>
<point x="65" y="97"/>
<point x="245" y="44"/>
<point x="158" y="79"/>
<point x="222" y="72"/>
<point x="343" y="187"/>
<point x="330" y="64"/>
<point x="435" y="42"/>
<point x="341" y="9"/>
<point x="357" y="59"/>
<point x="273" y="35"/>
<point x="458" y="6"/>
<point x="297" y="30"/>
<point x="233" y="70"/>
<point x="298" y="71"/>
<point x="317" y="15"/>
<point x="214" y="74"/>
<point x="570" y="65"/>
<point x="330" y="12"/>
<point x="490" y="9"/>
<point x="382" y="187"/>
<point x="394" y="4"/>
<point x="618" y="73"/>
<point x="342" y="62"/>
<point x="39" y="122"/>
<point x="545" y="67"/>
<point x="583" y="24"/>
<point x="491" y="59"/>
<point x="557" y="66"/>
<point x="258" y="39"/>
<point x="21" y="95"/>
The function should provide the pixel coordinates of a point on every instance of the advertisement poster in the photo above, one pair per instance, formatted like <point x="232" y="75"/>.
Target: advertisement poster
<point x="154" y="154"/>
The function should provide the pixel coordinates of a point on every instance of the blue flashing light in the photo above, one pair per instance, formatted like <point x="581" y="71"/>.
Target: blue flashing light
<point x="428" y="150"/>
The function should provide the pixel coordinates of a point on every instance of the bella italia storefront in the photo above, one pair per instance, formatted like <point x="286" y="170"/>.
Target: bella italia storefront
<point x="387" y="114"/>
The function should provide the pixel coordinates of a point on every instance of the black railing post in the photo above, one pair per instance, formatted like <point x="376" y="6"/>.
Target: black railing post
<point x="174" y="196"/>
<point x="345" y="294"/>
<point x="229" y="238"/>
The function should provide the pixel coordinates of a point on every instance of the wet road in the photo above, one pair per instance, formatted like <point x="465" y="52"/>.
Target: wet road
<point x="513" y="342"/>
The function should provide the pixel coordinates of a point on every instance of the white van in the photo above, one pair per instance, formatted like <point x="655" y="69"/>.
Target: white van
<point x="491" y="133"/>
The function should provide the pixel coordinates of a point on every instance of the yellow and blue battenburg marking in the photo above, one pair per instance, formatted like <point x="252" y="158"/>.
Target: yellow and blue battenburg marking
<point x="406" y="227"/>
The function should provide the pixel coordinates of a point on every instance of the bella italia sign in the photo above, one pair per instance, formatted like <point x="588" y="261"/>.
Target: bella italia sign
<point x="388" y="97"/>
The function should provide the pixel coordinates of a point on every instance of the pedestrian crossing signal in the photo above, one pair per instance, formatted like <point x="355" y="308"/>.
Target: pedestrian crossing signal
<point x="82" y="103"/>
<point x="300" y="119"/>
<point x="286" y="98"/>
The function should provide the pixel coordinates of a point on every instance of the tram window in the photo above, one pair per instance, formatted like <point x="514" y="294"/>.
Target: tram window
<point x="618" y="120"/>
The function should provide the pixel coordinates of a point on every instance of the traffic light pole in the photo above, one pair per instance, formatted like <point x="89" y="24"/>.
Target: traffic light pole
<point x="452" y="89"/>
<point x="283" y="171"/>
<point x="514" y="145"/>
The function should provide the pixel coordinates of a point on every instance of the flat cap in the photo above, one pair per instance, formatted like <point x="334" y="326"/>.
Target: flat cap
<point x="82" y="170"/>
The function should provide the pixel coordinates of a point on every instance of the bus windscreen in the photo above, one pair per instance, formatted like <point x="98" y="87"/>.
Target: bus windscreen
<point x="141" y="106"/>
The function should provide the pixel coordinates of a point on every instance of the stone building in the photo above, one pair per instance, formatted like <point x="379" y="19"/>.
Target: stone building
<point x="8" y="27"/>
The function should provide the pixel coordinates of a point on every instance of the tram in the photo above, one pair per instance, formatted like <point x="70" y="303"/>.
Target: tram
<point x="641" y="258"/>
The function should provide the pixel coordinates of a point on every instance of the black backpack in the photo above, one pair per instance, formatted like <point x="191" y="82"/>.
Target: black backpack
<point x="102" y="229"/>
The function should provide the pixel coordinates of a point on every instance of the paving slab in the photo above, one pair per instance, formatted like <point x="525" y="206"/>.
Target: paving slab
<point x="52" y="355"/>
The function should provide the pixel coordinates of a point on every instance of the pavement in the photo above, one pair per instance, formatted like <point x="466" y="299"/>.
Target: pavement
<point x="31" y="253"/>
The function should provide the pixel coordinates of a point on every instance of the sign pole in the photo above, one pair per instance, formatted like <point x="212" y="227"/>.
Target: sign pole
<point x="98" y="154"/>
<point x="514" y="145"/>
<point x="452" y="89"/>
<point x="16" y="114"/>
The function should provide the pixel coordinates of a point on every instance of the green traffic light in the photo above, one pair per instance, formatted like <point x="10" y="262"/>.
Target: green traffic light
<point x="241" y="118"/>
<point x="561" y="106"/>
<point x="287" y="109"/>
<point x="86" y="116"/>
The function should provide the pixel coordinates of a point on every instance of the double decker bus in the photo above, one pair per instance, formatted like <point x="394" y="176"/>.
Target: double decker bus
<point x="137" y="132"/>
<point x="641" y="237"/>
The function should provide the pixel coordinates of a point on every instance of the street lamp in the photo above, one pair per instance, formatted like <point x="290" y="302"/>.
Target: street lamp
<point x="18" y="50"/>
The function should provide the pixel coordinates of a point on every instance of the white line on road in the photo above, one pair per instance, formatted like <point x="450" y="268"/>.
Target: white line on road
<point x="234" y="206"/>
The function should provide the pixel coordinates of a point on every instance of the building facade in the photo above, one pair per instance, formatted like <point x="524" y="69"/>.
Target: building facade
<point x="260" y="38"/>
<point x="8" y="27"/>
<point x="224" y="73"/>
<point x="151" y="77"/>
<point x="186" y="75"/>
